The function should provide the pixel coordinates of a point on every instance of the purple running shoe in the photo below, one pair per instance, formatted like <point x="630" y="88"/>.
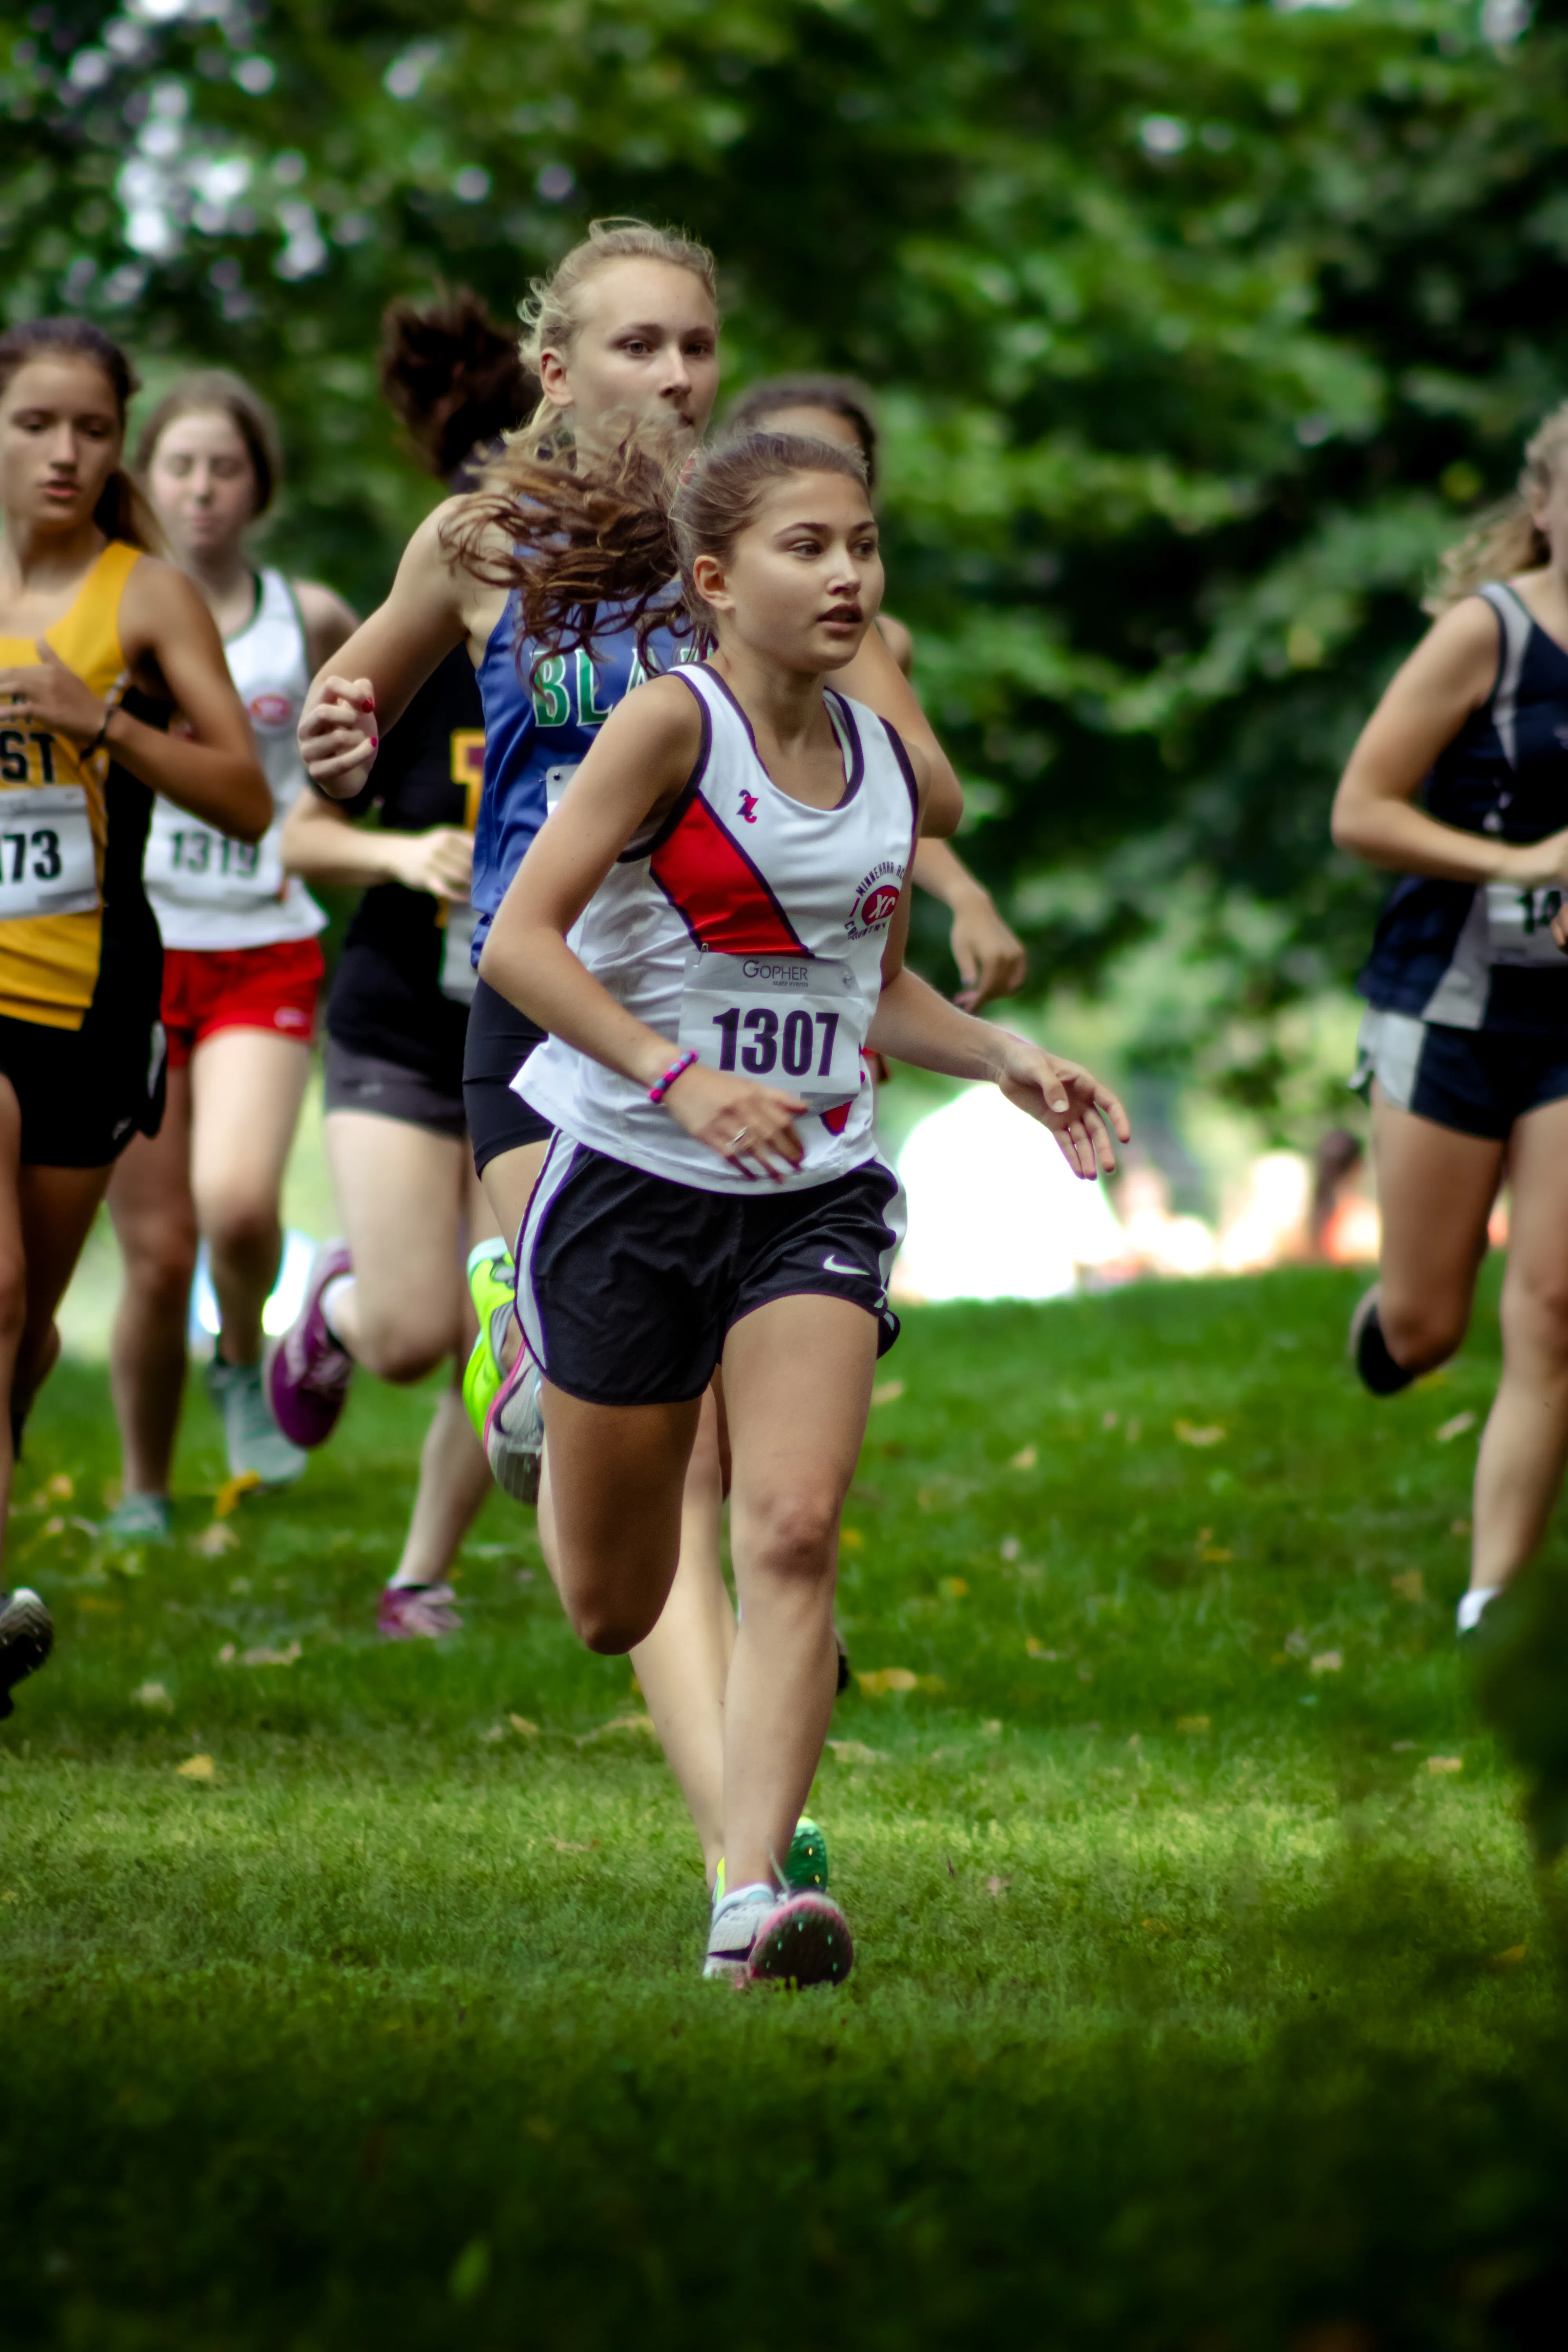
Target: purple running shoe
<point x="409" y="1613"/>
<point x="307" y="1372"/>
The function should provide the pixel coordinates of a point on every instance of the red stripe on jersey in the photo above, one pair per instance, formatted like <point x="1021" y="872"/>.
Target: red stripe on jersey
<point x="716" y="891"/>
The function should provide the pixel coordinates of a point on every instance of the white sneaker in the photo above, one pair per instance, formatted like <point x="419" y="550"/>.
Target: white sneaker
<point x="514" y="1433"/>
<point x="759" y="1936"/>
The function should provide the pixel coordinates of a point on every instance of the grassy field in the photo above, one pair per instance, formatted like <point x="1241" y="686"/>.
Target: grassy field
<point x="1205" y="1995"/>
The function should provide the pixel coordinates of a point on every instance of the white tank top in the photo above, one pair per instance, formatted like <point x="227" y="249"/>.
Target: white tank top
<point x="207" y="890"/>
<point x="752" y="928"/>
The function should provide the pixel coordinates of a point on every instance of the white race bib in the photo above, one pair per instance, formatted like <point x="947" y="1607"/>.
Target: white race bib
<point x="794" y="1021"/>
<point x="188" y="865"/>
<point x="458" y="978"/>
<point x="1519" y="925"/>
<point x="47" y="864"/>
<point x="556" y="781"/>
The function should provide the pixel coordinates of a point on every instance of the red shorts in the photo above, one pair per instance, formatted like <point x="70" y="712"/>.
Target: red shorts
<point x="209" y="989"/>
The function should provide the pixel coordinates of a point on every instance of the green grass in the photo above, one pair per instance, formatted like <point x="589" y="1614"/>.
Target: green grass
<point x="1192" y="2008"/>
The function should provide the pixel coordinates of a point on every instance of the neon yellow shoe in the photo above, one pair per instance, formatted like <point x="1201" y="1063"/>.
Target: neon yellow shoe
<point x="492" y="1287"/>
<point x="805" y="1863"/>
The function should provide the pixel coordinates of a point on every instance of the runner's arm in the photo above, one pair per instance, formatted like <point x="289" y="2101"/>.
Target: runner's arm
<point x="329" y="622"/>
<point x="875" y="679"/>
<point x="991" y="958"/>
<point x="640" y="759"/>
<point x="377" y="671"/>
<point x="321" y="844"/>
<point x="1447" y="678"/>
<point x="210" y="767"/>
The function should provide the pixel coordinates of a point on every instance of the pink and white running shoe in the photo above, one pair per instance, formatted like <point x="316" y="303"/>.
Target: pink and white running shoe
<point x="760" y="1937"/>
<point x="412" y="1612"/>
<point x="307" y="1371"/>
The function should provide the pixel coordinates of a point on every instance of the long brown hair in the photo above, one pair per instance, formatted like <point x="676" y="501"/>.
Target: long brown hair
<point x="453" y="376"/>
<point x="121" y="512"/>
<point x="215" y="391"/>
<point x="1505" y="541"/>
<point x="571" y="544"/>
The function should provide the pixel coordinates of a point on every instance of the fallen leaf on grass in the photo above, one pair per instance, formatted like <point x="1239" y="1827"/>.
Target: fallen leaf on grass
<point x="1157" y="1928"/>
<point x="1187" y="1434"/>
<point x="954" y="1587"/>
<point x="54" y="1527"/>
<point x="1459" y="1527"/>
<point x="1456" y="1428"/>
<point x="565" y="1845"/>
<point x="11" y="1894"/>
<point x="1191" y="1723"/>
<point x="855" y="1751"/>
<point x="993" y="1728"/>
<point x="946" y="1857"/>
<point x="1108" y="1421"/>
<point x="1410" y="1586"/>
<point x="496" y="1731"/>
<point x="196" y="1768"/>
<point x="620" y="1723"/>
<point x="1038" y="1650"/>
<point x="888" y="1678"/>
<point x="1327" y="1662"/>
<point x="152" y="1694"/>
<point x="1515" y="1954"/>
<point x="226" y="1656"/>
<point x="1024" y="1459"/>
<point x="998" y="1886"/>
<point x="61" y="1488"/>
<point x="1010" y="1548"/>
<point x="213" y="1541"/>
<point x="1402" y="1748"/>
<point x="262" y="1656"/>
<point x="851" y="1539"/>
<point x="520" y="1722"/>
<point x="233" y="1491"/>
<point x="1215" y="1551"/>
<point x="1445" y="1763"/>
<point x="887" y="1393"/>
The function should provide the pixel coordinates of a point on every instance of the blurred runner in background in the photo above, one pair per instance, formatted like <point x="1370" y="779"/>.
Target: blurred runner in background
<point x="242" y="968"/>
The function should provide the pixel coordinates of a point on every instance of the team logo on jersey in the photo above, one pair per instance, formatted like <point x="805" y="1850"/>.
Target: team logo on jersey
<point x="748" y="807"/>
<point x="271" y="710"/>
<point x="876" y="897"/>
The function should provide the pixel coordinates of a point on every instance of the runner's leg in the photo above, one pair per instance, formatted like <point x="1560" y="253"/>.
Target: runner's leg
<point x="1435" y="1190"/>
<point x="154" y="1222"/>
<point x="1518" y="1471"/>
<point x="402" y="1192"/>
<point x="509" y="1181"/>
<point x="454" y="1476"/>
<point x="617" y="1476"/>
<point x="246" y="1087"/>
<point x="798" y="1388"/>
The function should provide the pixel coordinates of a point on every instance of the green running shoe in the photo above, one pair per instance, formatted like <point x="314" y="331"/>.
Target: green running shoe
<point x="805" y="1863"/>
<point x="492" y="1287"/>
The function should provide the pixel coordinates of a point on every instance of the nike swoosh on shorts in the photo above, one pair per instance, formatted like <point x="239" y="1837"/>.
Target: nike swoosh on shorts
<point x="830" y="1265"/>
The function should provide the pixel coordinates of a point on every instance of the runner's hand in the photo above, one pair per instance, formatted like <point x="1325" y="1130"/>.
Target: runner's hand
<point x="738" y="1119"/>
<point x="991" y="958"/>
<point x="339" y="737"/>
<point x="1070" y="1101"/>
<point x="48" y="693"/>
<point x="440" y="862"/>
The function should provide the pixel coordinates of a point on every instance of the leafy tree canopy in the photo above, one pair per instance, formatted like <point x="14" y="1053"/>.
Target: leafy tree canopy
<point x="1201" y="325"/>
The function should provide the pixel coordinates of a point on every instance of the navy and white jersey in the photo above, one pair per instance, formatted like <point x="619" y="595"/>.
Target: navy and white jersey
<point x="748" y="927"/>
<point x="1482" y="956"/>
<point x="537" y="730"/>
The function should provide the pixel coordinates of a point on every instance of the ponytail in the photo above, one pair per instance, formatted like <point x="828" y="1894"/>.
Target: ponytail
<point x="1505" y="541"/>
<point x="453" y="377"/>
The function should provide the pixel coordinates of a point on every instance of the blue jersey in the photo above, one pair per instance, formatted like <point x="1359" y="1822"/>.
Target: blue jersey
<point x="1471" y="956"/>
<point x="537" y="730"/>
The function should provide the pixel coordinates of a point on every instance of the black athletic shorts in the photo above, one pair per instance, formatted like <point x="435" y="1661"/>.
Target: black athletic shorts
<point x="356" y="1081"/>
<point x="500" y="1041"/>
<point x="628" y="1284"/>
<point x="1475" y="1081"/>
<point x="85" y="1092"/>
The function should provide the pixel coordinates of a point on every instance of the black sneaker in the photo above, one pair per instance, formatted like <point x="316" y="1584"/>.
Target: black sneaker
<point x="27" y="1637"/>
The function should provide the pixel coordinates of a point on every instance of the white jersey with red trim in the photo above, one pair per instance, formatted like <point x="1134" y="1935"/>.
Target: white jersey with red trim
<point x="750" y="927"/>
<point x="207" y="890"/>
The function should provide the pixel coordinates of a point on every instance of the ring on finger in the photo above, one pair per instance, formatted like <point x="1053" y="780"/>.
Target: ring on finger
<point x="736" y="1140"/>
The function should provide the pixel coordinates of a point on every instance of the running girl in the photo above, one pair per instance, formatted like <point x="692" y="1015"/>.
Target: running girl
<point x="1466" y="1043"/>
<point x="98" y="640"/>
<point x="990" y="957"/>
<point x="721" y="901"/>
<point x="242" y="967"/>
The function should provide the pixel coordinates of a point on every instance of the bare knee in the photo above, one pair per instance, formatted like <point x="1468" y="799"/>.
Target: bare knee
<point x="401" y="1349"/>
<point x="606" y="1625"/>
<point x="1535" y="1318"/>
<point x="242" y="1230"/>
<point x="1422" y="1333"/>
<point x="792" y="1537"/>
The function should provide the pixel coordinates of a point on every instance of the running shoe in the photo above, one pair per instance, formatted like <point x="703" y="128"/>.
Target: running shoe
<point x="514" y="1433"/>
<point x="252" y="1439"/>
<point x="805" y="1864"/>
<point x="27" y="1637"/>
<point x="761" y="1937"/>
<point x="492" y="1287"/>
<point x="308" y="1372"/>
<point x="412" y="1612"/>
<point x="141" y="1518"/>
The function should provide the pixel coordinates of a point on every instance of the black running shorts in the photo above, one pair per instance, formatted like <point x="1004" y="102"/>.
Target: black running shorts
<point x="1474" y="1081"/>
<point x="85" y="1092"/>
<point x="628" y="1284"/>
<point x="500" y="1041"/>
<point x="356" y="1081"/>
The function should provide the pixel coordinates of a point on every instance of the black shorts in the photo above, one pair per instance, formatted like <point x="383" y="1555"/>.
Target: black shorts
<point x="627" y="1284"/>
<point x="356" y="1081"/>
<point x="1473" y="1081"/>
<point x="85" y="1092"/>
<point x="500" y="1041"/>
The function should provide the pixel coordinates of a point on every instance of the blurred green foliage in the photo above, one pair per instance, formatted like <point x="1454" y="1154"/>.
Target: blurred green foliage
<point x="1200" y="326"/>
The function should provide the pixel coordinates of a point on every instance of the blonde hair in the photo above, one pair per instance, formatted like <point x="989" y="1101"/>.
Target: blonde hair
<point x="548" y="310"/>
<point x="1505" y="540"/>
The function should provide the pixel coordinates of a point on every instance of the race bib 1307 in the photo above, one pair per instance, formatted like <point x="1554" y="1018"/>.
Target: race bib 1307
<point x="796" y="1022"/>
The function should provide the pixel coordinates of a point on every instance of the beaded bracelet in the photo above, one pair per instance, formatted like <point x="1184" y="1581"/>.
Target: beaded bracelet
<point x="661" y="1086"/>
